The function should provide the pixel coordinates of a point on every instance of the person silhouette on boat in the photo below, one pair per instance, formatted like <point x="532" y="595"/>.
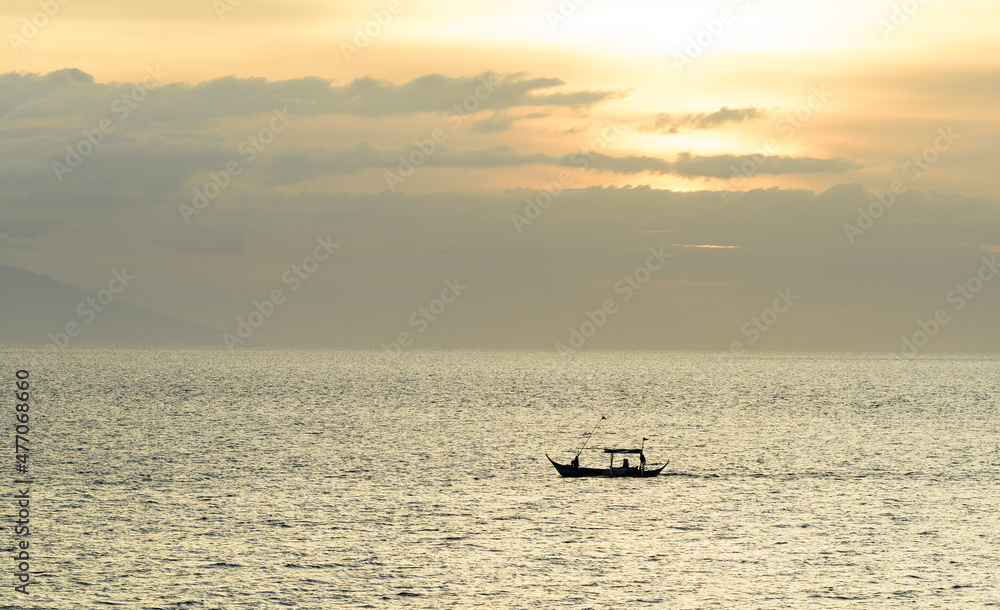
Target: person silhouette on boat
<point x="625" y="463"/>
<point x="576" y="462"/>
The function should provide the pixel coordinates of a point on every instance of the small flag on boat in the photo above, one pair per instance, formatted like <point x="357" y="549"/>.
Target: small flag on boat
<point x="645" y="439"/>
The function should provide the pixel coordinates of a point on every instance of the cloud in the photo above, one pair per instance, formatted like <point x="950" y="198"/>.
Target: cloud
<point x="75" y="93"/>
<point x="500" y="121"/>
<point x="630" y="164"/>
<point x="726" y="166"/>
<point x="150" y="166"/>
<point x="527" y="288"/>
<point x="206" y="239"/>
<point x="161" y="166"/>
<point x="298" y="164"/>
<point x="68" y="91"/>
<point x="668" y="123"/>
<point x="284" y="168"/>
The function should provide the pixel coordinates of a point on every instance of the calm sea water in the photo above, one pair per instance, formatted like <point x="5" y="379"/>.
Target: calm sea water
<point x="268" y="479"/>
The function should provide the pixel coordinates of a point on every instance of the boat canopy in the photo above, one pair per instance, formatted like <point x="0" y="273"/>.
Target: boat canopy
<point x="623" y="451"/>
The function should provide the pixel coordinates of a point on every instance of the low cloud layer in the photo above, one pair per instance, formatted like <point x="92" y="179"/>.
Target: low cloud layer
<point x="71" y="92"/>
<point x="535" y="272"/>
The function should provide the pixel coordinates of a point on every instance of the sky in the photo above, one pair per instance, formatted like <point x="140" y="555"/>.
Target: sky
<point x="571" y="175"/>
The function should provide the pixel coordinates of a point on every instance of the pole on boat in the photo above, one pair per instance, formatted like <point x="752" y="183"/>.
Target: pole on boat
<point x="590" y="435"/>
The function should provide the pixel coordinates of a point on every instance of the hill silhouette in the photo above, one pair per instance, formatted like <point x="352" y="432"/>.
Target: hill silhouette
<point x="35" y="310"/>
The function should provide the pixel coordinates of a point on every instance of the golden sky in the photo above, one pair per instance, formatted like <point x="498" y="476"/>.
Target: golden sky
<point x="617" y="104"/>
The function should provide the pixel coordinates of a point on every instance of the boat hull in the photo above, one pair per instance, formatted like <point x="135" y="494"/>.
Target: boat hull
<point x="568" y="470"/>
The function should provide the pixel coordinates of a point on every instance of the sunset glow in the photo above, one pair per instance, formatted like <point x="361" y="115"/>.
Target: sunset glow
<point x="527" y="145"/>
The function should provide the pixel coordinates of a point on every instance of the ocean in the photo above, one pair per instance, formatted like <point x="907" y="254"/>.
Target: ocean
<point x="358" y="479"/>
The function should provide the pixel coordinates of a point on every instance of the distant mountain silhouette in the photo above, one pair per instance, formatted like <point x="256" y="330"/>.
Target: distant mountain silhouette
<point x="35" y="308"/>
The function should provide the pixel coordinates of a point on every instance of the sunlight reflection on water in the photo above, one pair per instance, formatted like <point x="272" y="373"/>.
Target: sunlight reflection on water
<point x="254" y="479"/>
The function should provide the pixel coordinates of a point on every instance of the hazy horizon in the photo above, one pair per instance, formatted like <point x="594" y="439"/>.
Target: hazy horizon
<point x="722" y="176"/>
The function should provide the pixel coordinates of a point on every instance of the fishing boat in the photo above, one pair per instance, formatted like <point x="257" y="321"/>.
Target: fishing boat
<point x="570" y="470"/>
<point x="573" y="469"/>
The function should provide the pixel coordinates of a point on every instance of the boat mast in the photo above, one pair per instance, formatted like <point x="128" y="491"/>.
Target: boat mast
<point x="590" y="435"/>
